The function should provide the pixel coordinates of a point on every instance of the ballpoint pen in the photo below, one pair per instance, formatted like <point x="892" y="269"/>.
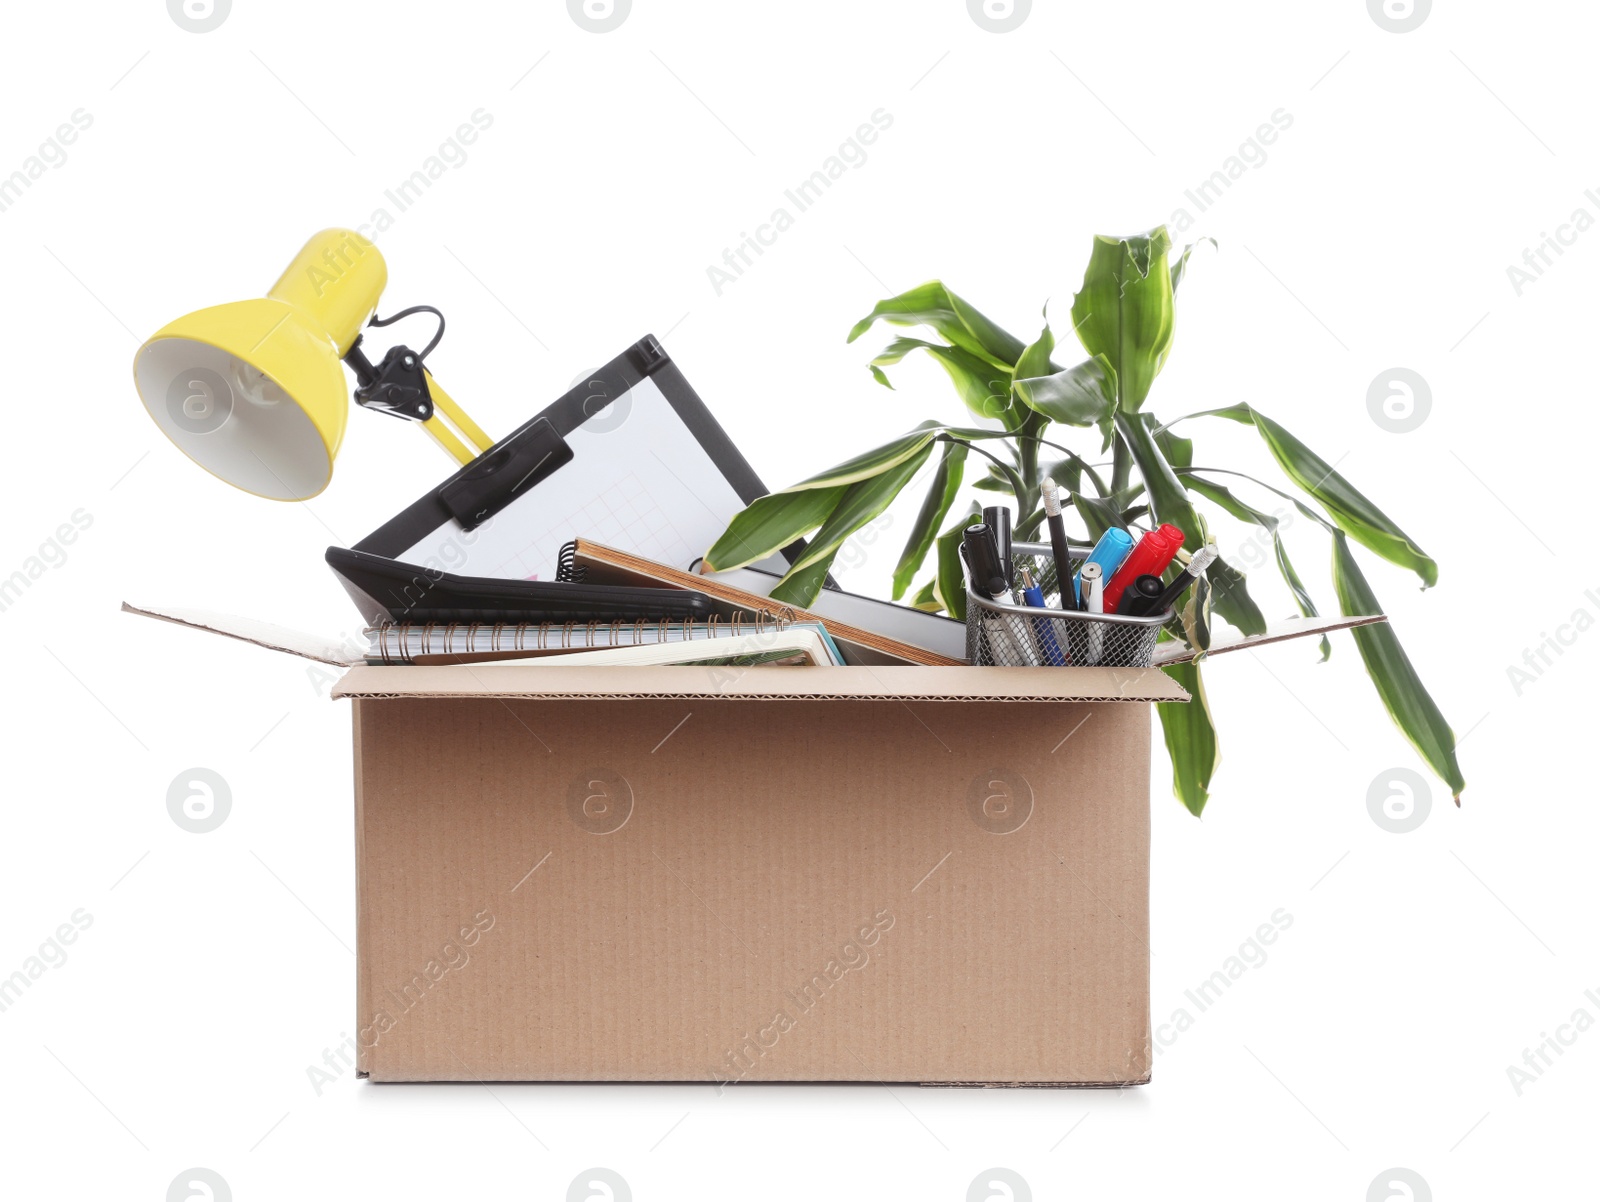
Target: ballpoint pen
<point x="1058" y="543"/>
<point x="1091" y="583"/>
<point x="1033" y="595"/>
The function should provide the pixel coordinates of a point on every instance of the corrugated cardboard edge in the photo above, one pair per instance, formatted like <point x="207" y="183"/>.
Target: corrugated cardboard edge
<point x="1144" y="1080"/>
<point x="363" y="935"/>
<point x="1276" y="632"/>
<point x="767" y="683"/>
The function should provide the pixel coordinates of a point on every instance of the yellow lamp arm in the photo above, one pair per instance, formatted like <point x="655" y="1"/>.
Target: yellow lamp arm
<point x="443" y="435"/>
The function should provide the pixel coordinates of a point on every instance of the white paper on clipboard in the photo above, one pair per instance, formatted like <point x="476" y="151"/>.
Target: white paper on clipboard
<point x="650" y="471"/>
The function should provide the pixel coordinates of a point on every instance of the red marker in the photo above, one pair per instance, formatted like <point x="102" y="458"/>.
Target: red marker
<point x="1149" y="557"/>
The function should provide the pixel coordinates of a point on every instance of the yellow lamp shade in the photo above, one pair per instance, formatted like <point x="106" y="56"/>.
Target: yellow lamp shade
<point x="255" y="391"/>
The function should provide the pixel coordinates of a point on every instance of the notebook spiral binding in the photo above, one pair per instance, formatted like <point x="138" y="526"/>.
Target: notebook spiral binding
<point x="566" y="570"/>
<point x="394" y="639"/>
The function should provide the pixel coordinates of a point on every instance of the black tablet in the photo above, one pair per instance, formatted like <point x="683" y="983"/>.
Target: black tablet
<point x="386" y="590"/>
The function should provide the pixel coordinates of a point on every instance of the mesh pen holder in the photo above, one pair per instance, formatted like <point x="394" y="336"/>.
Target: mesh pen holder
<point x="1000" y="634"/>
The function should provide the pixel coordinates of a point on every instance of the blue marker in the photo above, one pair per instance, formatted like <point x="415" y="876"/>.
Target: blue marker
<point x="1109" y="553"/>
<point x="1033" y="595"/>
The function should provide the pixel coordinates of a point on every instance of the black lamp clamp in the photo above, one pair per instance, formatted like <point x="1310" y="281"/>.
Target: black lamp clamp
<point x="397" y="385"/>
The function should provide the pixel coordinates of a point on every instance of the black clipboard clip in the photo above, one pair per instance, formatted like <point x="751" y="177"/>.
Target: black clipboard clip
<point x="492" y="481"/>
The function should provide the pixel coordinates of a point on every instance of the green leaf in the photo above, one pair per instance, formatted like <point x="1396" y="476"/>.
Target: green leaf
<point x="926" y="600"/>
<point x="800" y="586"/>
<point x="1068" y="473"/>
<point x="1179" y="451"/>
<point x="1182" y="264"/>
<point x="1035" y="357"/>
<point x="1079" y="396"/>
<point x="1195" y="617"/>
<point x="862" y="502"/>
<point x="1028" y="422"/>
<point x="1398" y="684"/>
<point x="870" y="463"/>
<point x="1190" y="737"/>
<point x="984" y="388"/>
<point x="1076" y="463"/>
<point x="950" y="583"/>
<point x="1169" y="500"/>
<point x="942" y="491"/>
<point x="958" y="323"/>
<point x="1124" y="310"/>
<point x="769" y="523"/>
<point x="1231" y="599"/>
<point x="1225" y="498"/>
<point x="1350" y="510"/>
<point x="1098" y="515"/>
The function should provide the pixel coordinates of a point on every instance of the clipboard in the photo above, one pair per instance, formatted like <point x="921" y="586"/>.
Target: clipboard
<point x="630" y="457"/>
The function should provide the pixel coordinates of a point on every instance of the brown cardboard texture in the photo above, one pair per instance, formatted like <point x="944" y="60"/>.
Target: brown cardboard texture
<point x="898" y="874"/>
<point x="888" y="872"/>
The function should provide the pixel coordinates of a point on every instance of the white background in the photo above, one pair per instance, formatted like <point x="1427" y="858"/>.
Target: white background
<point x="1377" y="233"/>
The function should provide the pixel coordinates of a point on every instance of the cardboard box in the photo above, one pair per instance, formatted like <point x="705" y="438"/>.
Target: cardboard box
<point x="899" y="874"/>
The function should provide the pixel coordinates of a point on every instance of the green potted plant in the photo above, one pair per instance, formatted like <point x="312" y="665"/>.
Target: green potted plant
<point x="1123" y="316"/>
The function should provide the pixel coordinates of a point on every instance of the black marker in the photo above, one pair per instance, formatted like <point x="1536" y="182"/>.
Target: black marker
<point x="1198" y="563"/>
<point x="1139" y="597"/>
<point x="998" y="519"/>
<point x="983" y="561"/>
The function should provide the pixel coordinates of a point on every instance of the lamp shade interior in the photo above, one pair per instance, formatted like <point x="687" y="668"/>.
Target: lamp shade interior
<point x="232" y="419"/>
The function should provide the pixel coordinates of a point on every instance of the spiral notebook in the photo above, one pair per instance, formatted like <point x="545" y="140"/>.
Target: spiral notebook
<point x="475" y="642"/>
<point x="801" y="644"/>
<point x="461" y="643"/>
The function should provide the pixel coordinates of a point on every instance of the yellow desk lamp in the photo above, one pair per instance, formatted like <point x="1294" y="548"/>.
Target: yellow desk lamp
<point x="254" y="393"/>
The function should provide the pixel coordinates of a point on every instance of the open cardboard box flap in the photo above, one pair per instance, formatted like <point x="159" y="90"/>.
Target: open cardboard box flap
<point x="771" y="683"/>
<point x="951" y="684"/>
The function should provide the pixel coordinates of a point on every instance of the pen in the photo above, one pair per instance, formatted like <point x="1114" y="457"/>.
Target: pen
<point x="1034" y="596"/>
<point x="1058" y="544"/>
<point x="1008" y="644"/>
<point x="1090" y="580"/>
<point x="1198" y="564"/>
